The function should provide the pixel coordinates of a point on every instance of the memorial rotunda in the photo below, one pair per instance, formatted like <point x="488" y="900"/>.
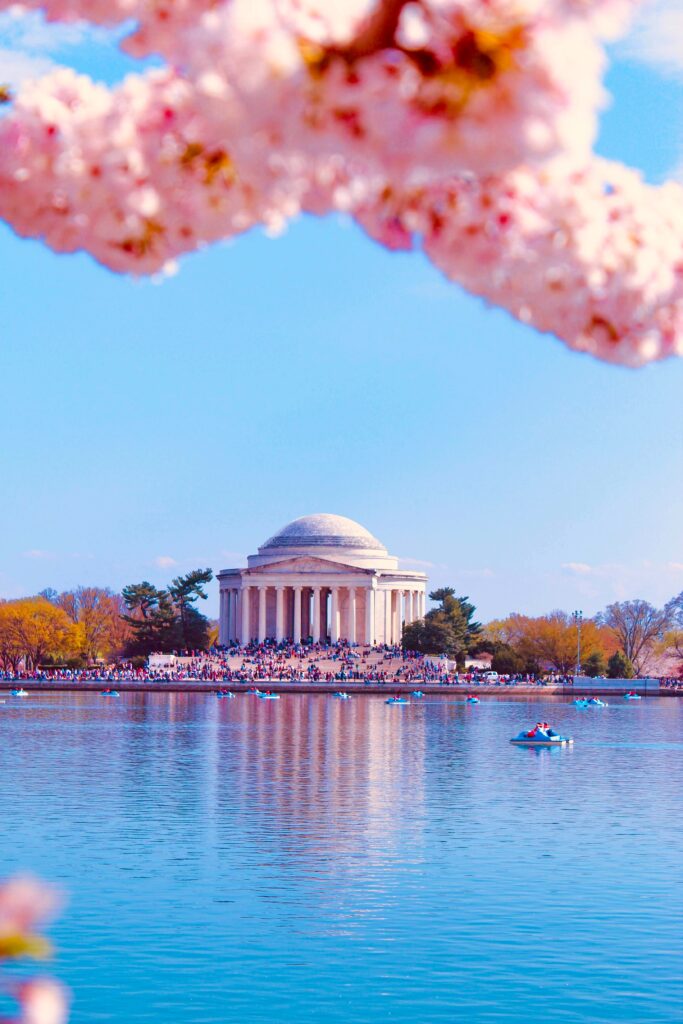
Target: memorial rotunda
<point x="322" y="576"/>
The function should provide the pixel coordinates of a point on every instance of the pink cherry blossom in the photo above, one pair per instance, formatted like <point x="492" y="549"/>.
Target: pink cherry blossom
<point x="25" y="903"/>
<point x="458" y="125"/>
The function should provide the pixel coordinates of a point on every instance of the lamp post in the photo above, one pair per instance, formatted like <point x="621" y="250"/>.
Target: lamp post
<point x="578" y="619"/>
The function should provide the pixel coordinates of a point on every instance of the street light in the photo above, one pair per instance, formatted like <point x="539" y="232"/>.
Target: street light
<point x="578" y="619"/>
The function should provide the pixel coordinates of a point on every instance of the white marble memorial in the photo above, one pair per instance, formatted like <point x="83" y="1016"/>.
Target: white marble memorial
<point x="322" y="576"/>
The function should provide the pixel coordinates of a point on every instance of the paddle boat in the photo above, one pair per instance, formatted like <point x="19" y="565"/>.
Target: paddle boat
<point x="541" y="736"/>
<point x="341" y="695"/>
<point x="471" y="699"/>
<point x="632" y="695"/>
<point x="109" y="693"/>
<point x="255" y="692"/>
<point x="225" y="693"/>
<point x="397" y="700"/>
<point x="268" y="696"/>
<point x="21" y="692"/>
<point x="590" y="702"/>
<point x="417" y="693"/>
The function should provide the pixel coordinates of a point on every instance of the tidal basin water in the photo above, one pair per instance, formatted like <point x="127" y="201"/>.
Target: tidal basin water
<point x="310" y="859"/>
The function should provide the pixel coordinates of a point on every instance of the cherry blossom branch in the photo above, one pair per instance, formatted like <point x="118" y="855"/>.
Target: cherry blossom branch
<point x="459" y="125"/>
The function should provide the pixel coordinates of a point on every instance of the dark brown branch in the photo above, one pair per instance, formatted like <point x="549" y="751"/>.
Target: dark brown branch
<point x="377" y="33"/>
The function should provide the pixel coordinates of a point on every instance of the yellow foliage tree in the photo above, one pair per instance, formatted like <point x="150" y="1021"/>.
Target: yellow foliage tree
<point x="33" y="629"/>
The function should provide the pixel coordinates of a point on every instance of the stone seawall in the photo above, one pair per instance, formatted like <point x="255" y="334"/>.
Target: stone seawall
<point x="278" y="686"/>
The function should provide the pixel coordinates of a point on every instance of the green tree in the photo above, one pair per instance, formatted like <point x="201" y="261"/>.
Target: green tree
<point x="620" y="667"/>
<point x="595" y="665"/>
<point x="510" y="662"/>
<point x="184" y="591"/>
<point x="167" y="620"/>
<point x="152" y="619"/>
<point x="448" y="629"/>
<point x="460" y="609"/>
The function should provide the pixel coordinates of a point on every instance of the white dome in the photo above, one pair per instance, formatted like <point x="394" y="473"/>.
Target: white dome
<point x="323" y="530"/>
<point x="334" y="538"/>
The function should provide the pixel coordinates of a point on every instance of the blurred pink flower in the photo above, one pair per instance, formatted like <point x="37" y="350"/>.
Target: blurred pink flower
<point x="42" y="1001"/>
<point x="24" y="903"/>
<point x="463" y="125"/>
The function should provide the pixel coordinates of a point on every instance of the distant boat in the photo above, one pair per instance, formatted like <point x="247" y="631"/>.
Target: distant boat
<point x="21" y="692"/>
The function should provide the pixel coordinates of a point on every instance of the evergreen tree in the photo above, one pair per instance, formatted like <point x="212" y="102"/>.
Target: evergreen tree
<point x="448" y="629"/>
<point x="167" y="620"/>
<point x="620" y="667"/>
<point x="184" y="591"/>
<point x="151" y="618"/>
<point x="595" y="665"/>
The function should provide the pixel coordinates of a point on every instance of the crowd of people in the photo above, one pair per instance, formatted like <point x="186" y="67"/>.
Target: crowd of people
<point x="284" y="662"/>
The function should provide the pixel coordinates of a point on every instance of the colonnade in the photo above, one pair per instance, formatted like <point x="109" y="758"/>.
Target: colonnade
<point x="279" y="611"/>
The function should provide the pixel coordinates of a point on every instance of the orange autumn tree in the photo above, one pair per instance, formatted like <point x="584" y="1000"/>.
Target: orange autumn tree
<point x="98" y="613"/>
<point x="551" y="640"/>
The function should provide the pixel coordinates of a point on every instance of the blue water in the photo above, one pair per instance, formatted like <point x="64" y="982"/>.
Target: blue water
<point x="316" y="860"/>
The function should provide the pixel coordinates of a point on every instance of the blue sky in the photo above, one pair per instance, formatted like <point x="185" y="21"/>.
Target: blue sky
<point x="150" y="428"/>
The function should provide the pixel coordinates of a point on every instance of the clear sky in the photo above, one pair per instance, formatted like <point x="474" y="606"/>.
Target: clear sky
<point x="152" y="428"/>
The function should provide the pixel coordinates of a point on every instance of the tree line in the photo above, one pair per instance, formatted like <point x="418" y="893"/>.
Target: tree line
<point x="93" y="624"/>
<point x="87" y="625"/>
<point x="624" y="640"/>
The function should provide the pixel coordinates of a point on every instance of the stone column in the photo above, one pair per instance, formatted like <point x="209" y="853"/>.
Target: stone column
<point x="316" y="615"/>
<point x="352" y="616"/>
<point x="279" y="614"/>
<point x="224" y="634"/>
<point x="229" y="611"/>
<point x="232" y="631"/>
<point x="221" y="616"/>
<point x="399" y="617"/>
<point x="297" y="615"/>
<point x="246" y="625"/>
<point x="262" y="592"/>
<point x="334" y="615"/>
<point x="369" y="616"/>
<point x="387" y="616"/>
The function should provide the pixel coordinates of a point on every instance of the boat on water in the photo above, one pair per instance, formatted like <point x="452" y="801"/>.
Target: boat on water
<point x="21" y="692"/>
<point x="471" y="699"/>
<point x="342" y="695"/>
<point x="590" y="702"/>
<point x="255" y="692"/>
<point x="541" y="736"/>
<point x="109" y="693"/>
<point x="225" y="693"/>
<point x="397" y="700"/>
<point x="268" y="696"/>
<point x="417" y="693"/>
<point x="632" y="695"/>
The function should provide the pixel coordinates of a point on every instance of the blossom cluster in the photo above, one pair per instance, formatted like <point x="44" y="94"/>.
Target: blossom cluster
<point x="24" y="905"/>
<point x="458" y="125"/>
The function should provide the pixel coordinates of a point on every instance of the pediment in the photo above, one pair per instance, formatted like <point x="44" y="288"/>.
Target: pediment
<point x="308" y="564"/>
